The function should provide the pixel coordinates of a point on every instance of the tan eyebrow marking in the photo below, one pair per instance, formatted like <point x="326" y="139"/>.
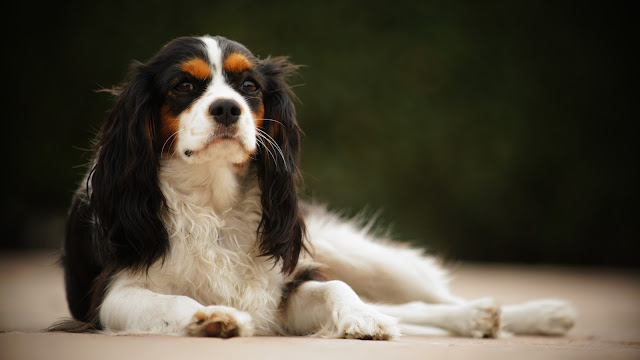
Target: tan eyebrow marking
<point x="197" y="67"/>
<point x="236" y="63"/>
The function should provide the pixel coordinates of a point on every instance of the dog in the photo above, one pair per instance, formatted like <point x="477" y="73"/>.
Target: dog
<point x="189" y="222"/>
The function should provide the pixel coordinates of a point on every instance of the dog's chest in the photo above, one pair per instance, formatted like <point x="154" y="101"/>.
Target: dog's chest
<point x="218" y="264"/>
<point x="214" y="256"/>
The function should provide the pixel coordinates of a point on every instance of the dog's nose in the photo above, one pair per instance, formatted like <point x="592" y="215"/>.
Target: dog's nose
<point x="225" y="111"/>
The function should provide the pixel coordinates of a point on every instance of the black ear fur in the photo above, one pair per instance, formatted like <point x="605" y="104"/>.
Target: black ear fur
<point x="282" y="229"/>
<point x="125" y="195"/>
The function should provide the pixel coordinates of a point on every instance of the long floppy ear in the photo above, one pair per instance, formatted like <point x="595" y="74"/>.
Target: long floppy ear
<point x="125" y="195"/>
<point x="282" y="229"/>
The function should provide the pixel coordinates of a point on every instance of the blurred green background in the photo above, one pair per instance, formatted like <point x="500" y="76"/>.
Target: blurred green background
<point x="486" y="131"/>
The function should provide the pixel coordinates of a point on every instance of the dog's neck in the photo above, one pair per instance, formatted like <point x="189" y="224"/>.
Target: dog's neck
<point x="215" y="184"/>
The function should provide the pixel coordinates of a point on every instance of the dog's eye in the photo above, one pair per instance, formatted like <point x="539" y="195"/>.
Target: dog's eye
<point x="184" y="87"/>
<point x="249" y="86"/>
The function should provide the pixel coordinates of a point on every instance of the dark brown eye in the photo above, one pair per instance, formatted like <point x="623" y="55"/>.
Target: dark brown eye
<point x="184" y="87"/>
<point x="249" y="86"/>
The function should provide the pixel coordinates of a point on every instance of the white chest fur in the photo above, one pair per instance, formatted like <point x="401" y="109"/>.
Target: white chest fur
<point x="213" y="257"/>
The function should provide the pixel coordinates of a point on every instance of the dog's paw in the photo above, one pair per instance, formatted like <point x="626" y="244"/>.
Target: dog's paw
<point x="480" y="319"/>
<point x="362" y="323"/>
<point x="369" y="325"/>
<point x="539" y="317"/>
<point x="557" y="318"/>
<point x="551" y="317"/>
<point x="220" y="321"/>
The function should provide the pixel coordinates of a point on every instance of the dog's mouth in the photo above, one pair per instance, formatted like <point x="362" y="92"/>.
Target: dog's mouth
<point x="217" y="138"/>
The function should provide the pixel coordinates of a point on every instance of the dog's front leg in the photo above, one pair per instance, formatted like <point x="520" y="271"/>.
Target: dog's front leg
<point x="130" y="308"/>
<point x="332" y="309"/>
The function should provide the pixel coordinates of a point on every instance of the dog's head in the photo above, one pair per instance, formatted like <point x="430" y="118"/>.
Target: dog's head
<point x="202" y="100"/>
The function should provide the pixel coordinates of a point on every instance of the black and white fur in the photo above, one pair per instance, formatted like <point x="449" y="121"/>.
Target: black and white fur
<point x="199" y="230"/>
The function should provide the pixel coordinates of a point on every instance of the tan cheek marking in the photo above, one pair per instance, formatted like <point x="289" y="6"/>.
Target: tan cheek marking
<point x="197" y="67"/>
<point x="236" y="63"/>
<point x="259" y="116"/>
<point x="169" y="125"/>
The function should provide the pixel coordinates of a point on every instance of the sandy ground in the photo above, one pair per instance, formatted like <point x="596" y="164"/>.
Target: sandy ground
<point x="608" y="327"/>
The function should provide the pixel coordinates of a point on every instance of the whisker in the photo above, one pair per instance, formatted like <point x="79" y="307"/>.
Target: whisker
<point x="166" y="141"/>
<point x="272" y="141"/>
<point x="174" y="150"/>
<point x="259" y="139"/>
<point x="275" y="121"/>
<point x="297" y="85"/>
<point x="275" y="145"/>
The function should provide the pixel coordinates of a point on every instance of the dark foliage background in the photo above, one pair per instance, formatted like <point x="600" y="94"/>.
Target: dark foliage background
<point x="492" y="131"/>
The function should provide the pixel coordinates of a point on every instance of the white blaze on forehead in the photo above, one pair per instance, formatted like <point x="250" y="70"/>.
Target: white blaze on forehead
<point x="214" y="52"/>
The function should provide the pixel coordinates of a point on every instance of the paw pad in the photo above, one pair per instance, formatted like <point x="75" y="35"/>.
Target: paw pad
<point x="213" y="325"/>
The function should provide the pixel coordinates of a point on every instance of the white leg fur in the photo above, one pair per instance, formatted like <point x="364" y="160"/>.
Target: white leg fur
<point x="479" y="318"/>
<point x="129" y="308"/>
<point x="423" y="330"/>
<point x="333" y="310"/>
<point x="483" y="318"/>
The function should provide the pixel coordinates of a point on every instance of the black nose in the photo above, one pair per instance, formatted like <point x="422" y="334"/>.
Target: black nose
<point x="225" y="111"/>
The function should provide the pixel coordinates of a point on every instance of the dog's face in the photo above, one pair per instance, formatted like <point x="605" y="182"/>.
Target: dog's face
<point x="213" y="105"/>
<point x="206" y="102"/>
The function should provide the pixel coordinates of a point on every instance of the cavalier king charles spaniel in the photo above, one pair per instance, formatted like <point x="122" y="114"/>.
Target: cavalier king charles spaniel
<point x="189" y="223"/>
